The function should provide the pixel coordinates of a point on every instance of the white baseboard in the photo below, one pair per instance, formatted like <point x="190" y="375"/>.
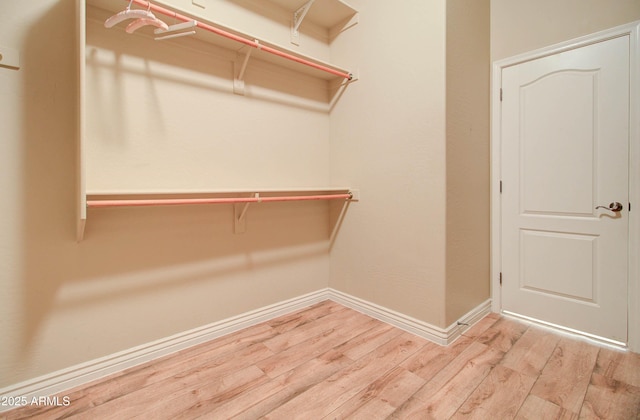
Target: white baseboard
<point x="442" y="336"/>
<point x="456" y="329"/>
<point x="65" y="379"/>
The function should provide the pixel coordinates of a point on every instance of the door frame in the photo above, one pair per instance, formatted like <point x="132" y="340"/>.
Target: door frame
<point x="633" y="31"/>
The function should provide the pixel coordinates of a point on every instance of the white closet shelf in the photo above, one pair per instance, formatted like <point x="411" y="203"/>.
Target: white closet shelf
<point x="326" y="13"/>
<point x="231" y="191"/>
<point x="265" y="50"/>
<point x="241" y="199"/>
<point x="220" y="36"/>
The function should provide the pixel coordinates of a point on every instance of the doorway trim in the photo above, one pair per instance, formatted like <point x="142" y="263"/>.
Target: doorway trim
<point x="633" y="31"/>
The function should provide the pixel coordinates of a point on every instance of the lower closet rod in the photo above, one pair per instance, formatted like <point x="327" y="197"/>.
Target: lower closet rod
<point x="254" y="44"/>
<point x="188" y="201"/>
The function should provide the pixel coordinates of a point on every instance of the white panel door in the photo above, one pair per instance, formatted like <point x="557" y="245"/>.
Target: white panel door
<point x="565" y="145"/>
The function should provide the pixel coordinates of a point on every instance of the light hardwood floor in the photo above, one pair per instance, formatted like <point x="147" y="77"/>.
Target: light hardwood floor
<point x="328" y="361"/>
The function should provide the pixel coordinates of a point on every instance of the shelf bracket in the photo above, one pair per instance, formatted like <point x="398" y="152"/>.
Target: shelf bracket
<point x="174" y="31"/>
<point x="238" y="81"/>
<point x="298" y="17"/>
<point x="80" y="229"/>
<point x="10" y="58"/>
<point x="239" y="212"/>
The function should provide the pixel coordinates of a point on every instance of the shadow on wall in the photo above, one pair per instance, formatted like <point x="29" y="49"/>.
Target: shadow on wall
<point x="128" y="251"/>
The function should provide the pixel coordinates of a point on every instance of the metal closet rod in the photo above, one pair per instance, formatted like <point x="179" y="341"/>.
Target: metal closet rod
<point x="254" y="44"/>
<point x="190" y="201"/>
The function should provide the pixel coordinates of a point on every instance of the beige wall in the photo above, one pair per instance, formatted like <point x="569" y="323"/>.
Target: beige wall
<point x="413" y="135"/>
<point x="467" y="176"/>
<point x="518" y="26"/>
<point x="162" y="115"/>
<point x="143" y="274"/>
<point x="388" y="139"/>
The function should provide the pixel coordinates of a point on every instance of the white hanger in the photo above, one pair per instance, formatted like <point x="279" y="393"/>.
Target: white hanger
<point x="127" y="14"/>
<point x="150" y="20"/>
<point x="134" y="26"/>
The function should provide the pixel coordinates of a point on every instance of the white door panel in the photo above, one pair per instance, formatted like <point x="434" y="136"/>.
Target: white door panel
<point x="565" y="143"/>
<point x="568" y="269"/>
<point x="549" y="140"/>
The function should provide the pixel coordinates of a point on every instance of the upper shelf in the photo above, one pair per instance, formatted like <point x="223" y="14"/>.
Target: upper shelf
<point x="326" y="13"/>
<point x="260" y="48"/>
<point x="329" y="14"/>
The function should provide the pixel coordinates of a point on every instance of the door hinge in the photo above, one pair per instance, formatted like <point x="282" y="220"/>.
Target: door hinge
<point x="500" y="94"/>
<point x="500" y="187"/>
<point x="500" y="278"/>
<point x="629" y="205"/>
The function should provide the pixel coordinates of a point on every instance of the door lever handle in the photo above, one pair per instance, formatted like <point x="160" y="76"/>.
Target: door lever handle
<point x="615" y="206"/>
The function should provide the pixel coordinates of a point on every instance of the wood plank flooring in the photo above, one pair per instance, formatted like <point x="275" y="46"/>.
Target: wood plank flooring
<point x="331" y="362"/>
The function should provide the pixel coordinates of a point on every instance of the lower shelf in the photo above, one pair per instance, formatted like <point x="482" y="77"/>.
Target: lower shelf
<point x="240" y="199"/>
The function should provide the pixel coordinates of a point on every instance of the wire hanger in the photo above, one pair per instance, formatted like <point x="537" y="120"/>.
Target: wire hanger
<point x="127" y="14"/>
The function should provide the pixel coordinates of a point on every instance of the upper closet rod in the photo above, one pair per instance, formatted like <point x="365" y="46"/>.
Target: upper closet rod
<point x="235" y="200"/>
<point x="254" y="44"/>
